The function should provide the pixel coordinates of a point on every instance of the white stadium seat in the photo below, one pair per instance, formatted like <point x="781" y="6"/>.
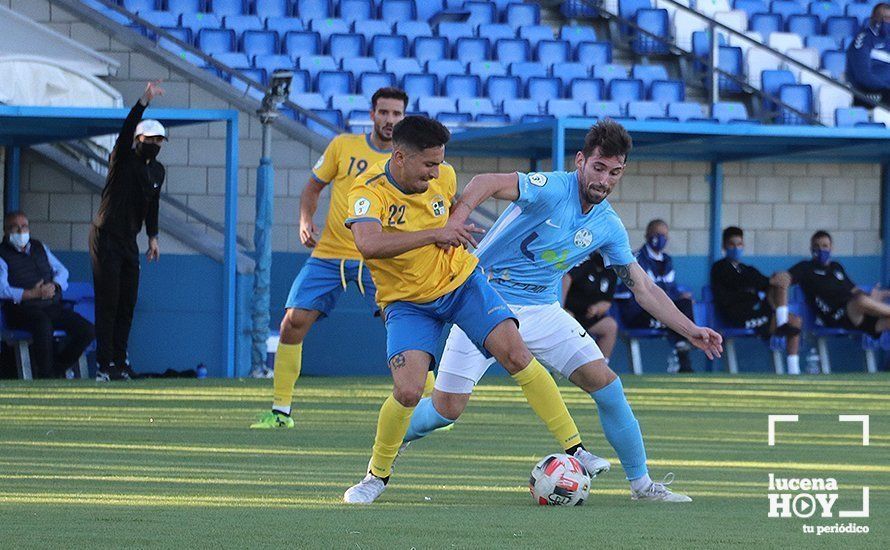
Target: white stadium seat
<point x="684" y="24"/>
<point x="711" y="7"/>
<point x="829" y="98"/>
<point x="736" y="20"/>
<point x="807" y="56"/>
<point x="784" y="41"/>
<point x="747" y="42"/>
<point x="759" y="60"/>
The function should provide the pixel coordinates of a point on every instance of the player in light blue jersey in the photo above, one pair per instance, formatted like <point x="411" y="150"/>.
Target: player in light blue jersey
<point x="555" y="220"/>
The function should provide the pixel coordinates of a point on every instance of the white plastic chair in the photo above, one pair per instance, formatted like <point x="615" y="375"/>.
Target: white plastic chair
<point x="784" y="41"/>
<point x="829" y="98"/>
<point x="684" y="24"/>
<point x="757" y="61"/>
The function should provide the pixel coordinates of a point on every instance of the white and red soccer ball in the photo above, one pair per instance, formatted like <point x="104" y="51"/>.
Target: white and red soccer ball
<point x="559" y="480"/>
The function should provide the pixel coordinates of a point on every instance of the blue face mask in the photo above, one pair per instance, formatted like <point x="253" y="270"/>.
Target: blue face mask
<point x="735" y="254"/>
<point x="657" y="242"/>
<point x="821" y="256"/>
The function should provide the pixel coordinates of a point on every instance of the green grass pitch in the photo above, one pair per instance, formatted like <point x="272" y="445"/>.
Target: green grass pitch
<point x="172" y="464"/>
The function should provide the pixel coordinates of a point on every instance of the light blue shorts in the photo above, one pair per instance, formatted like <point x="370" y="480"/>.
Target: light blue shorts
<point x="321" y="281"/>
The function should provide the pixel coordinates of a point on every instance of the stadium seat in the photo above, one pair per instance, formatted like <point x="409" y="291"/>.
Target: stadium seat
<point x="519" y="15"/>
<point x="512" y="50"/>
<point x="820" y="43"/>
<point x="430" y="48"/>
<point x="756" y="62"/>
<point x="351" y="102"/>
<point x="486" y="69"/>
<point x="198" y="21"/>
<point x="592" y="54"/>
<point x="829" y="98"/>
<point x="454" y="119"/>
<point x="400" y="66"/>
<point x="316" y="63"/>
<point x="648" y="74"/>
<point x="433" y="105"/>
<point x="552" y="51"/>
<point x="516" y="109"/>
<point x="328" y="27"/>
<point x="624" y="90"/>
<point x="684" y="110"/>
<point x="283" y="25"/>
<point x="727" y="111"/>
<point x="184" y="6"/>
<point x="609" y="72"/>
<point x="586" y="89"/>
<point x="332" y="117"/>
<point x="368" y="83"/>
<point x="682" y="27"/>
<point x="701" y="47"/>
<point x="453" y="30"/>
<point x="259" y="43"/>
<point x="242" y="23"/>
<point x="397" y="10"/>
<point x="467" y="50"/>
<point x="501" y="88"/>
<point x="850" y="116"/>
<point x="771" y="82"/>
<point x="300" y="43"/>
<point x="535" y="34"/>
<point x="226" y="7"/>
<point x="527" y="70"/>
<point x="481" y="13"/>
<point x="804" y="25"/>
<point x="271" y="8"/>
<point x="358" y="121"/>
<point x="497" y="31"/>
<point x="180" y="33"/>
<point x="308" y="101"/>
<point x="751" y="7"/>
<point x="784" y="41"/>
<point x="383" y="47"/>
<point x="372" y="28"/>
<point x="301" y="82"/>
<point x="786" y="8"/>
<point x="667" y="91"/>
<point x="627" y="9"/>
<point x="575" y="34"/>
<point x="602" y="109"/>
<point x="736" y="20"/>
<point x="462" y="85"/>
<point x="330" y="83"/>
<point x="356" y="10"/>
<point x="493" y="118"/>
<point x="160" y="18"/>
<point x="574" y="9"/>
<point x="134" y="6"/>
<point x="235" y="60"/>
<point x="359" y="65"/>
<point x="655" y="22"/>
<point x="730" y="61"/>
<point x="564" y="108"/>
<point x="712" y="7"/>
<point x="444" y="67"/>
<point x="799" y="97"/>
<point x="765" y="24"/>
<point x="413" y="29"/>
<point x="809" y="57"/>
<point x="212" y="41"/>
<point x="427" y="9"/>
<point x="824" y="9"/>
<point x="341" y="46"/>
<point x="475" y="106"/>
<point x="642" y="110"/>
<point x="420" y="84"/>
<point x="543" y="88"/>
<point x="569" y="71"/>
<point x="841" y="28"/>
<point x="528" y="119"/>
<point x="313" y="9"/>
<point x="835" y="62"/>
<point x="272" y="62"/>
<point x="862" y="12"/>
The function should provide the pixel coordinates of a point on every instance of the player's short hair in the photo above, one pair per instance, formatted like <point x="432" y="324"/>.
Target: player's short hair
<point x="389" y="93"/>
<point x="732" y="231"/>
<point x="611" y="138"/>
<point x="818" y="235"/>
<point x="11" y="215"/>
<point x="419" y="133"/>
<point x="650" y="227"/>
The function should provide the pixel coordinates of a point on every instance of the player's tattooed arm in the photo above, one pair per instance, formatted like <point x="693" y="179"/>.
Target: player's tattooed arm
<point x="623" y="272"/>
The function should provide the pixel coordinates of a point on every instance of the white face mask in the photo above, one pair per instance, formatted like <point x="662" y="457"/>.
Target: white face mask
<point x="19" y="240"/>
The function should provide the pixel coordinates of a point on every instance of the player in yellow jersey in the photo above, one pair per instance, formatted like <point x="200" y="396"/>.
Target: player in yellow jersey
<point x="334" y="261"/>
<point x="399" y="211"/>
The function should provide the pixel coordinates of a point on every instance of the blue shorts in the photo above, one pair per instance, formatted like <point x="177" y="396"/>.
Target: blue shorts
<point x="473" y="306"/>
<point x="321" y="281"/>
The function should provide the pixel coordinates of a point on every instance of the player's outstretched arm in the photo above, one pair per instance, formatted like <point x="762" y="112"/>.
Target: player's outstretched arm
<point x="481" y="188"/>
<point x="656" y="302"/>
<point x="373" y="243"/>
<point x="308" y="206"/>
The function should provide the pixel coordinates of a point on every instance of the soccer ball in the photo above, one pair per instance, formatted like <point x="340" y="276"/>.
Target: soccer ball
<point x="559" y="480"/>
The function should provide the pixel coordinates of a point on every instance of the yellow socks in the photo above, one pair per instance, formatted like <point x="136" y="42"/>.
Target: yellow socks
<point x="542" y="394"/>
<point x="391" y="427"/>
<point x="288" y="361"/>
<point x="429" y="384"/>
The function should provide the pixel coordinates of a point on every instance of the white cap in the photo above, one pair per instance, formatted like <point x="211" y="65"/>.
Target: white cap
<point x="150" y="128"/>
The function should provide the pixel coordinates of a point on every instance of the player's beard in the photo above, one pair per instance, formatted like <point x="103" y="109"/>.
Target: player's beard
<point x="378" y="130"/>
<point x="594" y="193"/>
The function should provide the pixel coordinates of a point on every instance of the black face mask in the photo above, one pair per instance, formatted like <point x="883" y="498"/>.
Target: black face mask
<point x="147" y="150"/>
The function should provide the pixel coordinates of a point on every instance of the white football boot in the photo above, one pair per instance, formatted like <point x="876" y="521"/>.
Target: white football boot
<point x="658" y="492"/>
<point x="364" y="492"/>
<point x="592" y="463"/>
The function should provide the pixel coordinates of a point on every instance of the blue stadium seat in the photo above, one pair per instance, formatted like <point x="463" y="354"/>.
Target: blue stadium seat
<point x="553" y="51"/>
<point x="271" y="8"/>
<point x="426" y="9"/>
<point x="300" y="43"/>
<point x="535" y="34"/>
<point x="271" y="62"/>
<point x="181" y="33"/>
<point x="257" y="75"/>
<point x="765" y="24"/>
<point x="400" y="66"/>
<point x="329" y="83"/>
<point x="648" y="74"/>
<point x="564" y="108"/>
<point x="497" y="31"/>
<point x="731" y="60"/>
<point x="301" y="82"/>
<point x="462" y="85"/>
<point x="134" y="6"/>
<point x="372" y="28"/>
<point x="771" y="81"/>
<point x="227" y="7"/>
<point x="592" y="54"/>
<point x="480" y="12"/>
<point x="486" y="69"/>
<point x="728" y="111"/>
<point x="569" y="71"/>
<point x="526" y="70"/>
<point x="211" y="41"/>
<point x="235" y="60"/>
<point x="444" y="67"/>
<point x="313" y="9"/>
<point x="259" y="43"/>
<point x="575" y="9"/>
<point x="841" y="28"/>
<point x="467" y="50"/>
<point x="453" y="30"/>
<point x="835" y="62"/>
<point x="475" y="106"/>
<point x="420" y="84"/>
<point x="184" y="6"/>
<point x="397" y="10"/>
<point x="586" y="89"/>
<point x="642" y="110"/>
<point x="804" y="24"/>
<point x="433" y="105"/>
<point x="684" y="110"/>
<point x="656" y="22"/>
<point x="358" y="121"/>
<point x="356" y="10"/>
<point x="797" y="96"/>
<point x="314" y="64"/>
<point x="454" y="120"/>
<point x="861" y="12"/>
<point x="512" y="50"/>
<point x="701" y="47"/>
<point x="501" y="88"/>
<point x="429" y="48"/>
<point x="609" y="71"/>
<point x="543" y="88"/>
<point x="750" y="7"/>
<point x="667" y="91"/>
<point x="519" y="15"/>
<point x="308" y="101"/>
<point x="575" y="34"/>
<point x="493" y="118"/>
<point x="359" y="65"/>
<point x="331" y="116"/>
<point x="516" y="109"/>
<point x="850" y="116"/>
<point x="820" y="43"/>
<point x="623" y="90"/>
<point x="342" y="46"/>
<point x="413" y="29"/>
<point x="786" y="8"/>
<point x="368" y="83"/>
<point x="160" y="18"/>
<point x="283" y="25"/>
<point x="198" y="21"/>
<point x="627" y="9"/>
<point x="528" y="119"/>
<point x="327" y="27"/>
<point x="383" y="47"/>
<point x="825" y="9"/>
<point x="602" y="109"/>
<point x="351" y="102"/>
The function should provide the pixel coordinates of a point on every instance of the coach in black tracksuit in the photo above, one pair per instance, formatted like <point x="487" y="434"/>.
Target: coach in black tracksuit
<point x="130" y="198"/>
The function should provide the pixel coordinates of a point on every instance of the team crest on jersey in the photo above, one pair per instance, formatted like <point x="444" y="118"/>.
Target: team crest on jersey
<point x="583" y="238"/>
<point x="537" y="179"/>
<point x="438" y="205"/>
<point x="319" y="162"/>
<point x="361" y="207"/>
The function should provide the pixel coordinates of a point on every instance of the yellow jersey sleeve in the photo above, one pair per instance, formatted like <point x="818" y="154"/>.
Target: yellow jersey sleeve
<point x="365" y="204"/>
<point x="325" y="169"/>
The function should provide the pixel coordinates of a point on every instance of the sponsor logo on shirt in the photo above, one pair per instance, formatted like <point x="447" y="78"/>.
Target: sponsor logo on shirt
<point x="583" y="238"/>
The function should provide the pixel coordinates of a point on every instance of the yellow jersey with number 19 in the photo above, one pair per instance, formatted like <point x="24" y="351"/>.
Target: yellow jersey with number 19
<point x="423" y="274"/>
<point x="346" y="157"/>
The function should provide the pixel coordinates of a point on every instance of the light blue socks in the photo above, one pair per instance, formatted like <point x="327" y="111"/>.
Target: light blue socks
<point x="620" y="428"/>
<point x="425" y="420"/>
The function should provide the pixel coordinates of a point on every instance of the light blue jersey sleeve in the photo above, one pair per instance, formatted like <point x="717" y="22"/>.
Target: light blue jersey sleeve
<point x="540" y="188"/>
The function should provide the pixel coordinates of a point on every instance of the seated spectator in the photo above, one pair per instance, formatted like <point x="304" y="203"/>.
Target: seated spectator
<point x="868" y="57"/>
<point x="31" y="285"/>
<point x="587" y="294"/>
<point x="838" y="302"/>
<point x="746" y="298"/>
<point x="658" y="264"/>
